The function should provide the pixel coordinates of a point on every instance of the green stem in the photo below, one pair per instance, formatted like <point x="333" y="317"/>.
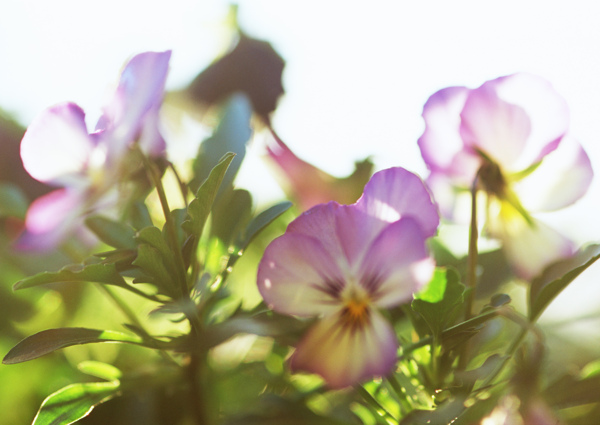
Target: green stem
<point x="471" y="279"/>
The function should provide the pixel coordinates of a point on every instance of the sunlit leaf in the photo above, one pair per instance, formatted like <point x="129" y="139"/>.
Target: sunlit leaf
<point x="231" y="135"/>
<point x="100" y="370"/>
<point x="445" y="293"/>
<point x="199" y="208"/>
<point x="150" y="261"/>
<point x="231" y="214"/>
<point x="557" y="277"/>
<point x="262" y="220"/>
<point x="74" y="402"/>
<point x="112" y="233"/>
<point x="50" y="340"/>
<point x="100" y="273"/>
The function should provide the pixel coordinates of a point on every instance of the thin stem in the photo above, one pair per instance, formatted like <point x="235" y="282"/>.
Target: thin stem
<point x="170" y="226"/>
<point x="471" y="279"/>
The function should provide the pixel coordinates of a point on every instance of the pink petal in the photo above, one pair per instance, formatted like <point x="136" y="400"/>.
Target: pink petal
<point x="51" y="219"/>
<point x="562" y="178"/>
<point x="492" y="125"/>
<point x="56" y="147"/>
<point x="297" y="275"/>
<point x="441" y="139"/>
<point x="529" y="248"/>
<point x="320" y="222"/>
<point x="397" y="264"/>
<point x="395" y="193"/>
<point x="345" y="355"/>
<point x="137" y="98"/>
<point x="516" y="119"/>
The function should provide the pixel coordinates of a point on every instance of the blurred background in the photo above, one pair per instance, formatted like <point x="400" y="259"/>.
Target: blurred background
<point x="356" y="77"/>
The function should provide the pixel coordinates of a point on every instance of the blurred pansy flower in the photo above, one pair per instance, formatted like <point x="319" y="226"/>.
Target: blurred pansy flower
<point x="308" y="185"/>
<point x="87" y="167"/>
<point x="510" y="134"/>
<point x="342" y="264"/>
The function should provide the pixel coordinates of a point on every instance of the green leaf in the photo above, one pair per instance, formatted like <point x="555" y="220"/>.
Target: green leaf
<point x="50" y="340"/>
<point x="100" y="273"/>
<point x="100" y="370"/>
<point x="231" y="135"/>
<point x="74" y="402"/>
<point x="230" y="215"/>
<point x="112" y="233"/>
<point x="153" y="237"/>
<point x="150" y="261"/>
<point x="441" y="301"/>
<point x="200" y="207"/>
<point x="262" y="220"/>
<point x="140" y="216"/>
<point x="557" y="277"/>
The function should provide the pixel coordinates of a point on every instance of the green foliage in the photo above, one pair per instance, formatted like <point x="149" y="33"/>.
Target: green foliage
<point x="50" y="340"/>
<point x="200" y="207"/>
<point x="557" y="277"/>
<point x="99" y="273"/>
<point x="74" y="402"/>
<point x="440" y="303"/>
<point x="112" y="233"/>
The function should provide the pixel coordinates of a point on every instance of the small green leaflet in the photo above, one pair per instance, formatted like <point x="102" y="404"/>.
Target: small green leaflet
<point x="50" y="340"/>
<point x="74" y="402"/>
<point x="100" y="273"/>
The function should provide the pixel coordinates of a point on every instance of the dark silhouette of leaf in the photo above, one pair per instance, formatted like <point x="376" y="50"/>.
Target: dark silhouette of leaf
<point x="252" y="67"/>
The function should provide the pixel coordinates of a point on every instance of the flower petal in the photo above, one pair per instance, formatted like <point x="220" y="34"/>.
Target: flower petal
<point x="56" y="147"/>
<point x="308" y="185"/>
<point x="297" y="275"/>
<point x="441" y="139"/>
<point x="397" y="264"/>
<point x="529" y="248"/>
<point x="516" y="120"/>
<point x="562" y="178"/>
<point x="51" y="219"/>
<point x="345" y="355"/>
<point x="137" y="97"/>
<point x="320" y="222"/>
<point x="395" y="193"/>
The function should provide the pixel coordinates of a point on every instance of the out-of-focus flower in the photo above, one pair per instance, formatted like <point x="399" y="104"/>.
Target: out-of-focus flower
<point x="342" y="263"/>
<point x="58" y="150"/>
<point x="308" y="185"/>
<point x="510" y="134"/>
<point x="510" y="411"/>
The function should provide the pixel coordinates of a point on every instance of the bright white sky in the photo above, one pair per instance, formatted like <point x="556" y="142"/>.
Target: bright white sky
<point x="356" y="78"/>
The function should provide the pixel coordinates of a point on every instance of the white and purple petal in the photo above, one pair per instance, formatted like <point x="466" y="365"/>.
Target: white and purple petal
<point x="529" y="247"/>
<point x="51" y="219"/>
<point x="346" y="353"/>
<point x="516" y="120"/>
<point x="133" y="111"/>
<point x="298" y="275"/>
<point x="56" y="147"/>
<point x="397" y="264"/>
<point x="562" y="178"/>
<point x="441" y="139"/>
<point x="394" y="193"/>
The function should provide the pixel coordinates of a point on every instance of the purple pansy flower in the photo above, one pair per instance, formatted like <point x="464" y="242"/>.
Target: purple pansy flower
<point x="58" y="150"/>
<point x="512" y="133"/>
<point x="343" y="263"/>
